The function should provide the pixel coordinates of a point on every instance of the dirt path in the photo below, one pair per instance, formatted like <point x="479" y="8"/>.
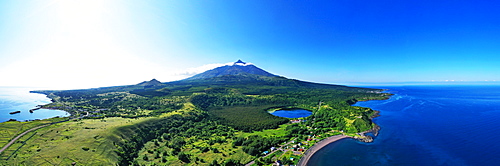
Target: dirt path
<point x="310" y="152"/>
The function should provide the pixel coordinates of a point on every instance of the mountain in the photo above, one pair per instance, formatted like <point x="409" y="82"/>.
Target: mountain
<point x="238" y="68"/>
<point x="232" y="99"/>
<point x="153" y="82"/>
<point x="244" y="76"/>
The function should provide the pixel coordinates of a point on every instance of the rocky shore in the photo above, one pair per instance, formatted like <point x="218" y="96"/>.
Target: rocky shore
<point x="364" y="138"/>
<point x="367" y="138"/>
<point x="374" y="130"/>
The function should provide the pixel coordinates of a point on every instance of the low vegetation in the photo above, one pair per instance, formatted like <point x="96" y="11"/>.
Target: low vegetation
<point x="11" y="129"/>
<point x="216" y="121"/>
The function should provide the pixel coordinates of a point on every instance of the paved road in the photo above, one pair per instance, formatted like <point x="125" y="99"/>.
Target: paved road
<point x="35" y="128"/>
<point x="19" y="136"/>
<point x="281" y="148"/>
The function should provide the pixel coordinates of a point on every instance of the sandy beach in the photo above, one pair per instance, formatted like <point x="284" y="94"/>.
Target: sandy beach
<point x="310" y="152"/>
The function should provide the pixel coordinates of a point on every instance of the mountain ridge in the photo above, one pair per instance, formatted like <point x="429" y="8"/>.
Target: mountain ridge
<point x="238" y="68"/>
<point x="153" y="82"/>
<point x="240" y="74"/>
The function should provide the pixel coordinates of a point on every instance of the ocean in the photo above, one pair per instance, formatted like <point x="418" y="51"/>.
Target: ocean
<point x="426" y="125"/>
<point x="19" y="99"/>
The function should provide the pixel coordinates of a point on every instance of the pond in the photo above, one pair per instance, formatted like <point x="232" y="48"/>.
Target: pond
<point x="298" y="113"/>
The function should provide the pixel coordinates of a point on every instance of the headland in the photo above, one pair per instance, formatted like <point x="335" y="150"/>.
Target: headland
<point x="319" y="145"/>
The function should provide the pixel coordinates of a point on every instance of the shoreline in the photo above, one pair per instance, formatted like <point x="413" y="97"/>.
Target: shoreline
<point x="34" y="109"/>
<point x="67" y="114"/>
<point x="327" y="141"/>
<point x="318" y="146"/>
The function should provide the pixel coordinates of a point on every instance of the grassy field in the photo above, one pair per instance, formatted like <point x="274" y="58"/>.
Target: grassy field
<point x="155" y="151"/>
<point x="11" y="129"/>
<point x="224" y="151"/>
<point x="279" y="132"/>
<point x="84" y="142"/>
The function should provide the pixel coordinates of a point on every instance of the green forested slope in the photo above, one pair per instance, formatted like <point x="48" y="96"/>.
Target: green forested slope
<point x="201" y="121"/>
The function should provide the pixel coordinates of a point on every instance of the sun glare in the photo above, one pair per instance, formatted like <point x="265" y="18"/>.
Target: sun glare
<point x="81" y="46"/>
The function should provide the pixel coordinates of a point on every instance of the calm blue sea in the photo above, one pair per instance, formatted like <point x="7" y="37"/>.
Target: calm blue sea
<point x="427" y="125"/>
<point x="292" y="113"/>
<point x="19" y="99"/>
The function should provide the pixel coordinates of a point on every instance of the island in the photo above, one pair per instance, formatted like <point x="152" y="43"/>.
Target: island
<point x="219" y="117"/>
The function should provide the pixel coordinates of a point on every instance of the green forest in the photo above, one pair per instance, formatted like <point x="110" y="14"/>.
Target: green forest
<point x="217" y="121"/>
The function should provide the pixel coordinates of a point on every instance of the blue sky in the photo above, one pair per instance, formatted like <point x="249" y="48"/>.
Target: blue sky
<point x="81" y="44"/>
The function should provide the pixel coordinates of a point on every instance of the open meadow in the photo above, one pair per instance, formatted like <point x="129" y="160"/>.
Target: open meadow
<point x="82" y="141"/>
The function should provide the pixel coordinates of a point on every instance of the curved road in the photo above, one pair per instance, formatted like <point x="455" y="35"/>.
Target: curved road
<point x="19" y="136"/>
<point x="35" y="128"/>
<point x="281" y="149"/>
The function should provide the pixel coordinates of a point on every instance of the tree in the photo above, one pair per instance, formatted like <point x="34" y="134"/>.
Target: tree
<point x="184" y="157"/>
<point x="238" y="141"/>
<point x="214" y="163"/>
<point x="157" y="155"/>
<point x="231" y="162"/>
<point x="164" y="159"/>
<point x="287" y="162"/>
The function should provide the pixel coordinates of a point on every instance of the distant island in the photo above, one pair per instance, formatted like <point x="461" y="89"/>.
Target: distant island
<point x="218" y="117"/>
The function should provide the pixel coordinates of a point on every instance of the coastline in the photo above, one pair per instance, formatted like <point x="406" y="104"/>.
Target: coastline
<point x="44" y="110"/>
<point x="318" y="146"/>
<point x="321" y="144"/>
<point x="38" y="111"/>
